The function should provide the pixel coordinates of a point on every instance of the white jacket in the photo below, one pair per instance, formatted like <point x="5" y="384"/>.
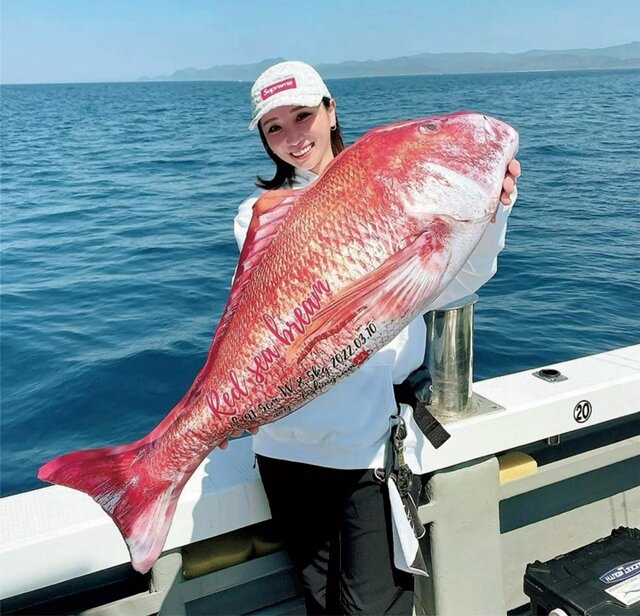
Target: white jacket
<point x="348" y="426"/>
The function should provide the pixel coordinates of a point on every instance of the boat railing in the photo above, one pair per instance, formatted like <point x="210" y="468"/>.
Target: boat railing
<point x="496" y="496"/>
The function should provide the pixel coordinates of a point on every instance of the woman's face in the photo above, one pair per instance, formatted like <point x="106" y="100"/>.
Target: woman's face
<point x="301" y="136"/>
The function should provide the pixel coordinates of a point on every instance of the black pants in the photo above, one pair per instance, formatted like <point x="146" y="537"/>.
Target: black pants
<point x="336" y="527"/>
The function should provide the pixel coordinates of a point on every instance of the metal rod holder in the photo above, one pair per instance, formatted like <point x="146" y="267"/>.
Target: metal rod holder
<point x="449" y="358"/>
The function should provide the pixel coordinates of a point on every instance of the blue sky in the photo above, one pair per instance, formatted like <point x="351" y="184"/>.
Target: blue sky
<point x="121" y="40"/>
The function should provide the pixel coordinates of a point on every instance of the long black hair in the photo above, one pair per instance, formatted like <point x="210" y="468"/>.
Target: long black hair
<point x="285" y="171"/>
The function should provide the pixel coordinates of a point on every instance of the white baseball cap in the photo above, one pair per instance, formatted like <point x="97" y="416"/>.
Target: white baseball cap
<point x="286" y="83"/>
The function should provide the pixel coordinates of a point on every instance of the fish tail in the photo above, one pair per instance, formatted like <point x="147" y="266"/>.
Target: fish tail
<point x="140" y="502"/>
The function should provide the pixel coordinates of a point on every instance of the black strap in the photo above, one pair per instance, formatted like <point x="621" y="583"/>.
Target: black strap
<point x="428" y="424"/>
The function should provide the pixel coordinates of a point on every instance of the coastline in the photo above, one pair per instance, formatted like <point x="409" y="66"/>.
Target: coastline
<point x="143" y="80"/>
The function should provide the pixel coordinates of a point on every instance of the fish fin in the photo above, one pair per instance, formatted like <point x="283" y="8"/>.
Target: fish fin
<point x="268" y="213"/>
<point x="139" y="502"/>
<point x="385" y="294"/>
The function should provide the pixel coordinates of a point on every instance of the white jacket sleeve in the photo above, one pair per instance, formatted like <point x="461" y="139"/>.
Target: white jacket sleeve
<point x="482" y="264"/>
<point x="243" y="218"/>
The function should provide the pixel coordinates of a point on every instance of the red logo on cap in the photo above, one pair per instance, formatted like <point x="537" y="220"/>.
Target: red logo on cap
<point x="279" y="86"/>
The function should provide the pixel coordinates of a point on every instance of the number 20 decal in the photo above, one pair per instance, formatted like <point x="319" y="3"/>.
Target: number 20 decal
<point x="582" y="411"/>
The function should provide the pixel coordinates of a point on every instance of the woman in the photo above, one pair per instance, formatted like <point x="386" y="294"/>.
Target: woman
<point x="317" y="464"/>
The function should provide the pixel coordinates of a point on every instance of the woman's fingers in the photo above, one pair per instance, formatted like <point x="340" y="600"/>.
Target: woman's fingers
<point x="509" y="183"/>
<point x="508" y="187"/>
<point x="225" y="443"/>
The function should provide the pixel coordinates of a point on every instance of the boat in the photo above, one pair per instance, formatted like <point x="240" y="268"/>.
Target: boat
<point x="539" y="463"/>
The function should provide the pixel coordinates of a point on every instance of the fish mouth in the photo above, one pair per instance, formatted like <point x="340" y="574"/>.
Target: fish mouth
<point x="475" y="220"/>
<point x="475" y="203"/>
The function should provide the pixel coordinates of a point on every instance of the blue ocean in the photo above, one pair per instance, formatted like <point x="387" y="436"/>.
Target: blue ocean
<point x="117" y="247"/>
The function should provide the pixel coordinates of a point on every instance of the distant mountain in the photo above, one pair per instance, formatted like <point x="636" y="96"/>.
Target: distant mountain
<point x="618" y="56"/>
<point x="229" y="72"/>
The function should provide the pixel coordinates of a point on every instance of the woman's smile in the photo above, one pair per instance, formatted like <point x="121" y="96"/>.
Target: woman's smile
<point x="301" y="153"/>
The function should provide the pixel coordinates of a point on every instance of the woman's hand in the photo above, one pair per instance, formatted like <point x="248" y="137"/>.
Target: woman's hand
<point x="509" y="184"/>
<point x="224" y="444"/>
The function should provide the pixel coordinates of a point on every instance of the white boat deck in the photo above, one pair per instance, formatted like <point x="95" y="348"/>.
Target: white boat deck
<point x="55" y="534"/>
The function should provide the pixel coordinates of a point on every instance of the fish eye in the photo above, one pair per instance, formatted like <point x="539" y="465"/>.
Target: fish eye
<point x="429" y="127"/>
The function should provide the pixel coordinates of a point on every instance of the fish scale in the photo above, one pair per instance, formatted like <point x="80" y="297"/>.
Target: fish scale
<point x="328" y="275"/>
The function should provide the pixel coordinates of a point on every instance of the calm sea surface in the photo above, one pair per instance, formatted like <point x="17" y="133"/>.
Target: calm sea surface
<point x="117" y="244"/>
